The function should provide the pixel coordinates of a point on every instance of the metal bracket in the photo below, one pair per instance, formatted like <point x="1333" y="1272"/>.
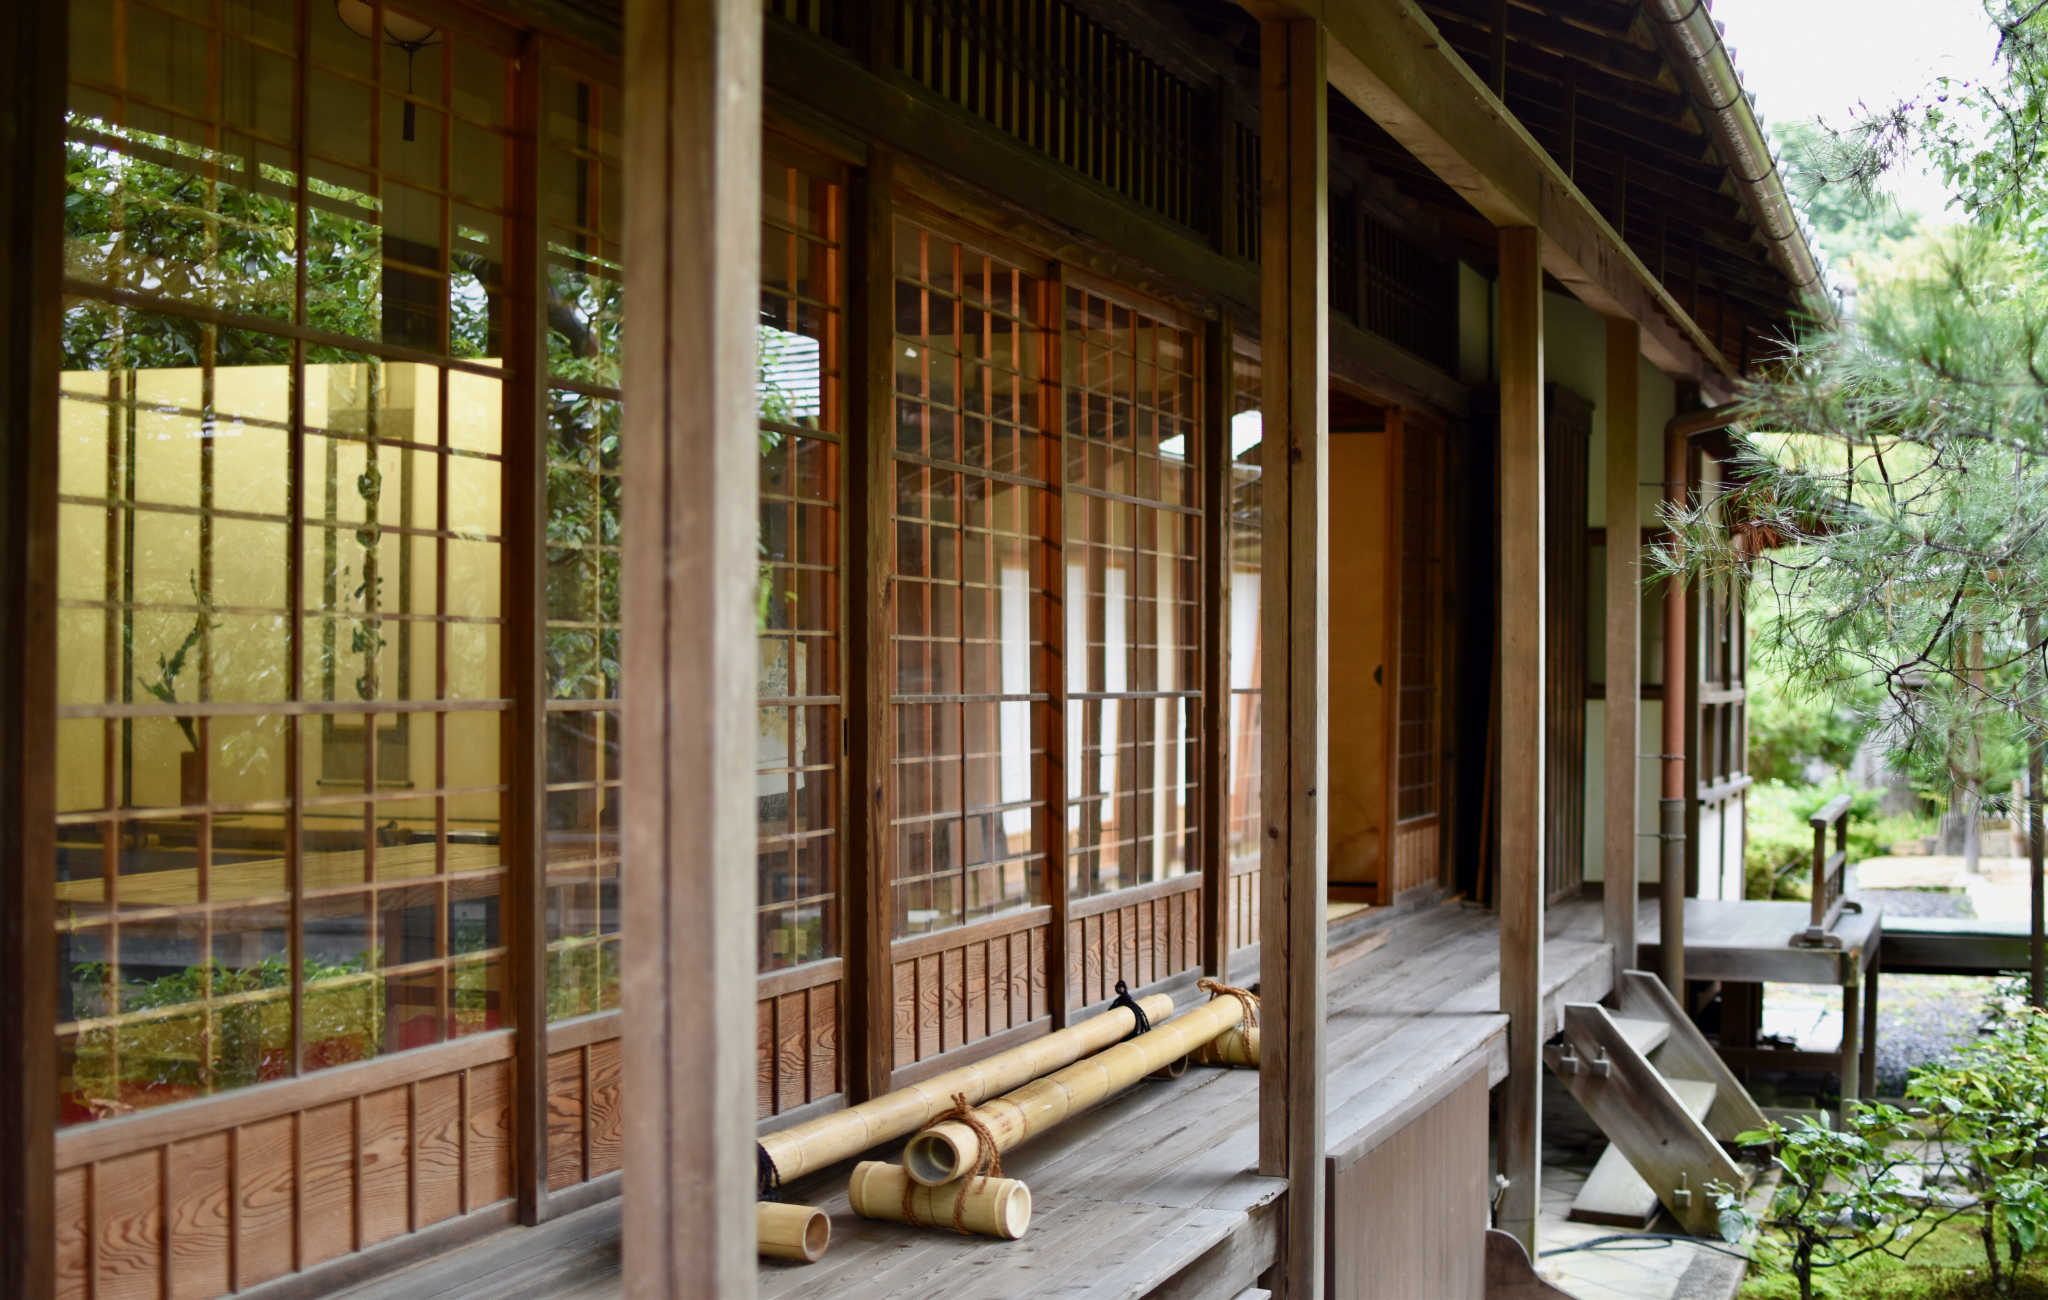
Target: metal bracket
<point x="1815" y="937"/>
<point x="1681" y="1195"/>
<point x="1600" y="1067"/>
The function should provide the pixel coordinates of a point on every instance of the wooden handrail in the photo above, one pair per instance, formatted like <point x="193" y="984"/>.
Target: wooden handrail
<point x="1830" y="872"/>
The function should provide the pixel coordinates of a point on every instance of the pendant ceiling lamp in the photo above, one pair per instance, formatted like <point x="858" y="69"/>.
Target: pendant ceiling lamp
<point x="408" y="34"/>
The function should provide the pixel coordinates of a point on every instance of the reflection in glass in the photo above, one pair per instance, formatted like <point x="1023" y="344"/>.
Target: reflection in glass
<point x="225" y="463"/>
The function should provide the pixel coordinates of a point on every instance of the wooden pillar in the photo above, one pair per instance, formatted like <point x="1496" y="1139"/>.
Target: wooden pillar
<point x="1671" y="807"/>
<point x="31" y="263"/>
<point x="1294" y="298"/>
<point x="1521" y="820"/>
<point x="1624" y="633"/>
<point x="692" y="238"/>
<point x="1218" y="400"/>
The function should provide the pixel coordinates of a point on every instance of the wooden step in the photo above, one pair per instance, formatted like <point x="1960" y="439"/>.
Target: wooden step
<point x="1615" y="1194"/>
<point x="1696" y="1095"/>
<point x="1646" y="1036"/>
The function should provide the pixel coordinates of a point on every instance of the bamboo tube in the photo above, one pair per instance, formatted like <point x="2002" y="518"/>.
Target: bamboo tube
<point x="990" y="1207"/>
<point x="829" y="1139"/>
<point x="798" y="1232"/>
<point x="945" y="1151"/>
<point x="1239" y="1046"/>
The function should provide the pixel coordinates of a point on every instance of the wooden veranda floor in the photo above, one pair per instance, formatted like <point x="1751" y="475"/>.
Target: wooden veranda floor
<point x="1133" y="1194"/>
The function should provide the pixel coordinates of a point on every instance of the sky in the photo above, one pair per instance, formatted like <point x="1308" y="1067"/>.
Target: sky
<point x="1807" y="58"/>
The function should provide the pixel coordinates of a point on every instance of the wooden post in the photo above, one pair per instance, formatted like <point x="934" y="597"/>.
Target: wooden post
<point x="1624" y="632"/>
<point x="32" y="97"/>
<point x="1671" y="809"/>
<point x="1294" y="299"/>
<point x="1218" y="354"/>
<point x="2037" y="941"/>
<point x="692" y="237"/>
<point x="870" y="1046"/>
<point x="1521" y="820"/>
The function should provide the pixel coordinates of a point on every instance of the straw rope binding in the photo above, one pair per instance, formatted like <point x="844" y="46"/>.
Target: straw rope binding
<point x="988" y="1161"/>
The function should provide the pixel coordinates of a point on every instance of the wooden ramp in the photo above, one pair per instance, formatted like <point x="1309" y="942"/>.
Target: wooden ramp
<point x="1659" y="1091"/>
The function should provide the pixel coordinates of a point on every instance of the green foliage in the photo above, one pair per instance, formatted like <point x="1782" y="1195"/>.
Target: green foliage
<point x="170" y="667"/>
<point x="1841" y="1194"/>
<point x="1895" y="464"/>
<point x="1778" y="858"/>
<point x="1988" y="1107"/>
<point x="1853" y="224"/>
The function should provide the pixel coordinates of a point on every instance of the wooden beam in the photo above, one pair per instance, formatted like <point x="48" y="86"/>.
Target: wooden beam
<point x="1624" y="634"/>
<point x="1387" y="57"/>
<point x="32" y="97"/>
<point x="693" y="218"/>
<point x="1294" y="345"/>
<point x="1519" y="1138"/>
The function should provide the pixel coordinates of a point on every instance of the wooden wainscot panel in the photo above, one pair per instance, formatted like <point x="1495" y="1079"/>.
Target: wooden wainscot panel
<point x="327" y="1183"/>
<point x="437" y="1150"/>
<point x="265" y="1154"/>
<point x="196" y="1182"/>
<point x="973" y="984"/>
<point x="487" y="1153"/>
<point x="1139" y="935"/>
<point x="202" y="1213"/>
<point x="565" y="1118"/>
<point x="74" y="1236"/>
<point x="603" y="1141"/>
<point x="127" y="1226"/>
<point x="384" y="1164"/>
<point x="1415" y="853"/>
<point x="1408" y="1208"/>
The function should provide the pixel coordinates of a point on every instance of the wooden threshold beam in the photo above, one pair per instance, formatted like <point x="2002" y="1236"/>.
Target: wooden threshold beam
<point x="1387" y="57"/>
<point x="693" y="222"/>
<point x="1294" y="347"/>
<point x="1521" y="821"/>
<point x="32" y="97"/>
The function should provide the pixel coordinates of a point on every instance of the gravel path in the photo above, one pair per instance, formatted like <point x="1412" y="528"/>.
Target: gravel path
<point x="1919" y="902"/>
<point x="1919" y="1017"/>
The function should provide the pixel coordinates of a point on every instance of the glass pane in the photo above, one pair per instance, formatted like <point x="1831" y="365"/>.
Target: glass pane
<point x="211" y="751"/>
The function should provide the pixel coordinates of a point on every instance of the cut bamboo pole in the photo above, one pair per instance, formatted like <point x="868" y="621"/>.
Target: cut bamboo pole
<point x="798" y="1232"/>
<point x="989" y="1207"/>
<point x="829" y="1139"/>
<point x="1239" y="1046"/>
<point x="946" y="1151"/>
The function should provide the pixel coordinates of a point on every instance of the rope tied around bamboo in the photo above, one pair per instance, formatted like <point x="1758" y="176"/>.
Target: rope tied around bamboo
<point x="988" y="1161"/>
<point x="949" y="1149"/>
<point x="1245" y="998"/>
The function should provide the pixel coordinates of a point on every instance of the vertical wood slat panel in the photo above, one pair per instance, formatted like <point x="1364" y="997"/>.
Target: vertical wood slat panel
<point x="72" y="1208"/>
<point x="127" y="1227"/>
<point x="437" y="1150"/>
<point x="565" y="1118"/>
<point x="604" y="1118"/>
<point x="384" y="1161"/>
<point x="265" y="1195"/>
<point x="487" y="1137"/>
<point x="326" y="1183"/>
<point x="198" y="1192"/>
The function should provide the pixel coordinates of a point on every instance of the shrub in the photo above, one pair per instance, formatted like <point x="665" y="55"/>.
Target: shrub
<point x="1842" y="1194"/>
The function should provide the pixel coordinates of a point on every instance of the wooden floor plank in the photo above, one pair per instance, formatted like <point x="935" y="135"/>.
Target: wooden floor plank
<point x="1126" y="1195"/>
